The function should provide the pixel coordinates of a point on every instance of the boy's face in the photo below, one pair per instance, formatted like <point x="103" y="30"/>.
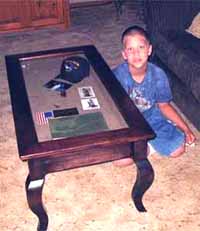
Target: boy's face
<point x="136" y="50"/>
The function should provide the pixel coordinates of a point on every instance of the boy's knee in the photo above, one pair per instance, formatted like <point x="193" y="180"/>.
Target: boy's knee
<point x="123" y="162"/>
<point x="178" y="152"/>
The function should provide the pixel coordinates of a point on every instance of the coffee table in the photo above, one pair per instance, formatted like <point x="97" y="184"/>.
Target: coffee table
<point x="92" y="122"/>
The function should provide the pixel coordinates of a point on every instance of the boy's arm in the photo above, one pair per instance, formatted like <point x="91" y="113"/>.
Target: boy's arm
<point x="170" y="113"/>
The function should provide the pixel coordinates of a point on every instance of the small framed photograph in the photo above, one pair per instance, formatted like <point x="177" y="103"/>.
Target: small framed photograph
<point x="86" y="92"/>
<point x="90" y="104"/>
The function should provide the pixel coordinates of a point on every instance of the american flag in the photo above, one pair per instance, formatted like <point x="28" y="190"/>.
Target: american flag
<point x="42" y="117"/>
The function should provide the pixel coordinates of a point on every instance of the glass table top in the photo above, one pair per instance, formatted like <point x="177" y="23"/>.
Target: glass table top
<point x="83" y="107"/>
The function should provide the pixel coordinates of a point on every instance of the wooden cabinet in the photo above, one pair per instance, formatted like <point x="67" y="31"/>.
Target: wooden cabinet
<point x="22" y="14"/>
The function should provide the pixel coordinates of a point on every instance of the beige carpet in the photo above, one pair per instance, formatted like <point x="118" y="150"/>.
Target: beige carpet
<point x="94" y="198"/>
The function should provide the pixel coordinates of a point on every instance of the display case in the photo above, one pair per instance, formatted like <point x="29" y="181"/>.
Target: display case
<point x="69" y="112"/>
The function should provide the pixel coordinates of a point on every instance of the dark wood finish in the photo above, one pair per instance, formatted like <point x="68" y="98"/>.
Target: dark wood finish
<point x="73" y="152"/>
<point x="25" y="14"/>
<point x="145" y="173"/>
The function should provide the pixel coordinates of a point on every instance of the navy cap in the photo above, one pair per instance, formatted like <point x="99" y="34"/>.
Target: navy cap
<point x="74" y="69"/>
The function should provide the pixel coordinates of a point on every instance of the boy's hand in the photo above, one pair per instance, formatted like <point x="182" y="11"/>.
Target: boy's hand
<point x="170" y="113"/>
<point x="189" y="137"/>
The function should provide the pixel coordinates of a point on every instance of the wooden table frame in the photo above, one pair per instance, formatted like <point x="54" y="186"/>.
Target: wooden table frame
<point x="73" y="152"/>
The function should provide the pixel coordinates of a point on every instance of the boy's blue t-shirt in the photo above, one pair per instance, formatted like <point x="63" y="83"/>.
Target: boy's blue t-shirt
<point x="153" y="89"/>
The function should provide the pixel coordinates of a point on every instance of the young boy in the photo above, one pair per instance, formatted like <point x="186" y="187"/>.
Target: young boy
<point x="148" y="87"/>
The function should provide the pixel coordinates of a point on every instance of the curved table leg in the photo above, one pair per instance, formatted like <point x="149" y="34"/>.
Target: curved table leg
<point x="145" y="175"/>
<point x="34" y="197"/>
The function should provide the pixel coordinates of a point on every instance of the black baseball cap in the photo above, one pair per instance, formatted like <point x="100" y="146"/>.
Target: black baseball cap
<point x="74" y="69"/>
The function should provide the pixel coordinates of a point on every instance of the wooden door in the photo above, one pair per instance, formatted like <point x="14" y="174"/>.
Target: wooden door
<point x="49" y="12"/>
<point x="11" y="14"/>
<point x="22" y="14"/>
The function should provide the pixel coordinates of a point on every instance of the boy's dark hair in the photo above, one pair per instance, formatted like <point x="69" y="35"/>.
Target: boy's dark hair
<point x="135" y="29"/>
